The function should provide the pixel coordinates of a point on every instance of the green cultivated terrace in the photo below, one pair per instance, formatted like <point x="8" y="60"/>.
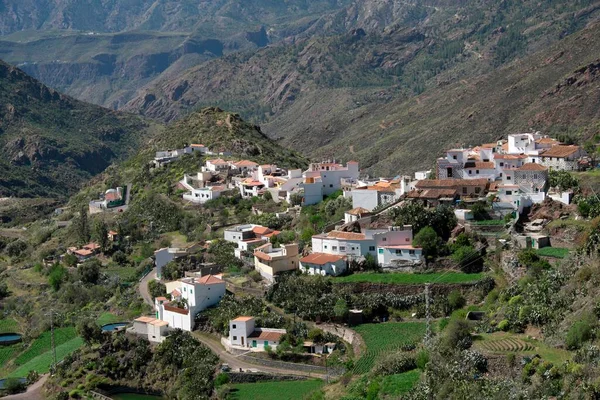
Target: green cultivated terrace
<point x="410" y="279"/>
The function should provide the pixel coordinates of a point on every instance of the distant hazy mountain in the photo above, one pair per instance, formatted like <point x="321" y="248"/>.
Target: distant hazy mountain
<point x="103" y="51"/>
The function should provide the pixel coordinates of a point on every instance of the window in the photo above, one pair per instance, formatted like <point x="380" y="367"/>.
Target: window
<point x="342" y="248"/>
<point x="266" y="342"/>
<point x="384" y="239"/>
<point x="334" y="248"/>
<point x="406" y="239"/>
<point x="330" y="186"/>
<point x="454" y="157"/>
<point x="476" y="171"/>
<point x="508" y="192"/>
<point x="371" y="248"/>
<point x="477" y="190"/>
<point x="325" y="247"/>
<point x="233" y="326"/>
<point x="464" y="190"/>
<point x="398" y="252"/>
<point x="502" y="164"/>
<point x="534" y="176"/>
<point x="508" y="177"/>
<point x="380" y="251"/>
<point x="235" y="338"/>
<point x="411" y="252"/>
<point x="470" y="172"/>
<point x="191" y="292"/>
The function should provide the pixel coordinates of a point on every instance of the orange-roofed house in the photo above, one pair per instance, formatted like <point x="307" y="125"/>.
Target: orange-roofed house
<point x="190" y="296"/>
<point x="243" y="334"/>
<point x="270" y="261"/>
<point x="323" y="264"/>
<point x="217" y="165"/>
<point x="561" y="157"/>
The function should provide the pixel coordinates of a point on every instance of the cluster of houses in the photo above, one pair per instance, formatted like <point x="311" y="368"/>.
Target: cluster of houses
<point x="252" y="180"/>
<point x="515" y="171"/>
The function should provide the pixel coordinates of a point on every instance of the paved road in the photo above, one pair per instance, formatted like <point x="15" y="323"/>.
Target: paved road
<point x="235" y="363"/>
<point x="34" y="392"/>
<point x="143" y="287"/>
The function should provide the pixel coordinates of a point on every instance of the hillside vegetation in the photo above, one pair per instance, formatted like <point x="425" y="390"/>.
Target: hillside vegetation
<point x="52" y="143"/>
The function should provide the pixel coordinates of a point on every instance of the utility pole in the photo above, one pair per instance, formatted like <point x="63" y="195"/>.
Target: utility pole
<point x="52" y="337"/>
<point x="427" y="317"/>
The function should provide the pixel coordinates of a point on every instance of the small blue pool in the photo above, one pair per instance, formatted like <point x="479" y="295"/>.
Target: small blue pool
<point x="117" y="326"/>
<point x="3" y="381"/>
<point x="9" y="338"/>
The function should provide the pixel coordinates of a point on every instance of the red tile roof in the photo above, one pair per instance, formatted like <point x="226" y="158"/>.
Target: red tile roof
<point x="261" y="230"/>
<point x="358" y="211"/>
<point x="209" y="280"/>
<point x="431" y="193"/>
<point x="560" y="151"/>
<point x="321" y="258"/>
<point x="509" y="156"/>
<point x="242" y="318"/>
<point x="272" y="336"/>
<point x="346" y="235"/>
<point x="532" y="167"/>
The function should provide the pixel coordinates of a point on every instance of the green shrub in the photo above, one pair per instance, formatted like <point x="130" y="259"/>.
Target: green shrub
<point x="422" y="359"/>
<point x="395" y="363"/>
<point x="580" y="332"/>
<point x="221" y="379"/>
<point x="456" y="300"/>
<point x="503" y="325"/>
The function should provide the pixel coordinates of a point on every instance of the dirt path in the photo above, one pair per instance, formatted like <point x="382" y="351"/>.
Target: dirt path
<point x="34" y="392"/>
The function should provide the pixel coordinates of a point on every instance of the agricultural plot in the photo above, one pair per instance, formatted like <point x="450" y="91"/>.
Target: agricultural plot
<point x="554" y="252"/>
<point x="511" y="344"/>
<point x="410" y="279"/>
<point x="42" y="362"/>
<point x="7" y="353"/>
<point x="8" y="325"/>
<point x="44" y="343"/>
<point x="382" y="338"/>
<point x="396" y="385"/>
<point x="284" y="390"/>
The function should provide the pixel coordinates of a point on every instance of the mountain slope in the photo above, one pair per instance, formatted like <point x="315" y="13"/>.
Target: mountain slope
<point x="103" y="51"/>
<point x="52" y="143"/>
<point x="330" y="94"/>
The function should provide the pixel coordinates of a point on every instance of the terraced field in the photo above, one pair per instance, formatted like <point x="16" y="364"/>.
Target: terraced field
<point x="513" y="345"/>
<point x="382" y="338"/>
<point x="8" y="325"/>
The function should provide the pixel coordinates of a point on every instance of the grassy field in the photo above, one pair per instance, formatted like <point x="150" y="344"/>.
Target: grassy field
<point x="8" y="325"/>
<point x="285" y="390"/>
<point x="44" y="343"/>
<point x="381" y="338"/>
<point x="42" y="362"/>
<point x="109" y="318"/>
<point x="555" y="252"/>
<point x="396" y="385"/>
<point x="410" y="279"/>
<point x="126" y="274"/>
<point x="7" y="353"/>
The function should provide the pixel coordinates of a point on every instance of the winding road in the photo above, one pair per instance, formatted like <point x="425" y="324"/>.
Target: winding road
<point x="215" y="346"/>
<point x="34" y="392"/>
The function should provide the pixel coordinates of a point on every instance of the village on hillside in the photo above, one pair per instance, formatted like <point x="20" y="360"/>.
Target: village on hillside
<point x="317" y="272"/>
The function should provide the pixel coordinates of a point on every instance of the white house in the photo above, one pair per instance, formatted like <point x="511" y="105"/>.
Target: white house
<point x="249" y="236"/>
<point x="372" y="241"/>
<point x="323" y="264"/>
<point x="192" y="296"/>
<point x="270" y="261"/>
<point x="153" y="329"/>
<point x="355" y="214"/>
<point x="243" y="334"/>
<point x="217" y="165"/>
<point x="377" y="194"/>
